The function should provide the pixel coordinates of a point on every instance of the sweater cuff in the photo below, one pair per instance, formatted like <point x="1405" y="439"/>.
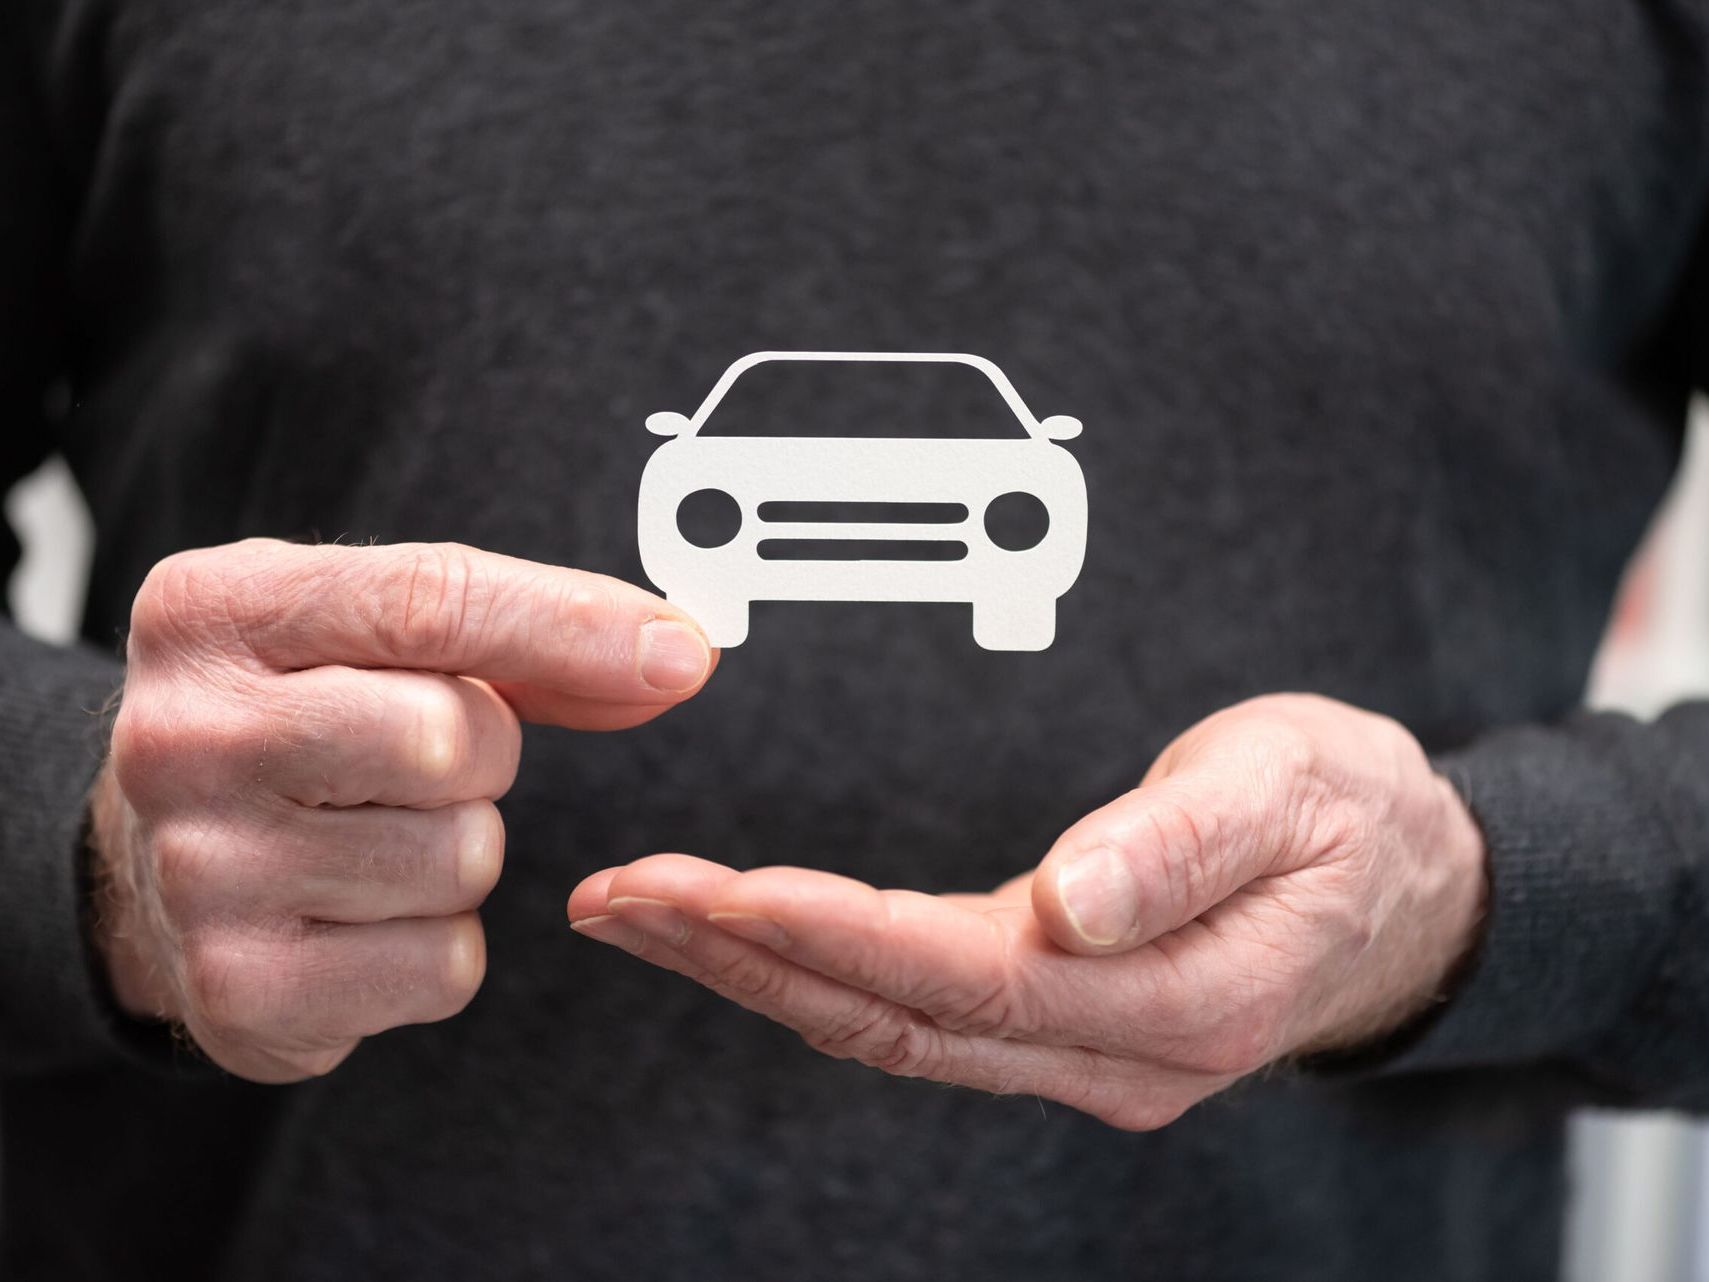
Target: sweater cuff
<point x="54" y="1012"/>
<point x="1579" y="869"/>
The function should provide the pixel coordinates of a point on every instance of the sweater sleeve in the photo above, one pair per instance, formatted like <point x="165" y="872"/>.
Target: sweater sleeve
<point x="1595" y="950"/>
<point x="1595" y="954"/>
<point x="52" y="1008"/>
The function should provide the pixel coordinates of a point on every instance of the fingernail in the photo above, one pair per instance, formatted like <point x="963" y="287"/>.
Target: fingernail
<point x="761" y="930"/>
<point x="1099" y="896"/>
<point x="674" y="657"/>
<point x="653" y="917"/>
<point x="608" y="930"/>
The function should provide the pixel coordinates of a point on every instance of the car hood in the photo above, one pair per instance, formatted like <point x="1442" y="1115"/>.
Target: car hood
<point x="760" y="469"/>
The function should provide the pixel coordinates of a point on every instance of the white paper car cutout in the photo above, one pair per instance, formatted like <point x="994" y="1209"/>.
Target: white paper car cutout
<point x="779" y="490"/>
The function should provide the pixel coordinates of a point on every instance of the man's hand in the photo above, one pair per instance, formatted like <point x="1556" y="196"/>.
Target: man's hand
<point x="1290" y="876"/>
<point x="296" y="823"/>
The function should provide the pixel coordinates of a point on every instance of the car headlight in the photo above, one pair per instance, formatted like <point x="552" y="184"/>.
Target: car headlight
<point x="1017" y="521"/>
<point x="708" y="518"/>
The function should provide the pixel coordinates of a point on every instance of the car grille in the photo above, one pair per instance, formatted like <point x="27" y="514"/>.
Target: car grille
<point x="868" y="542"/>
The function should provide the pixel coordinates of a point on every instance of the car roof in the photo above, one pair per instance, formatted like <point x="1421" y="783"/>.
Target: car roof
<point x="998" y="379"/>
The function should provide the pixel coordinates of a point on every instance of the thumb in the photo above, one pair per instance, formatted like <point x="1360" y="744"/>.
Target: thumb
<point x="1154" y="859"/>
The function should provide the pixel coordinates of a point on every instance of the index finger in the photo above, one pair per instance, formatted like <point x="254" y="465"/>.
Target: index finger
<point x="549" y="635"/>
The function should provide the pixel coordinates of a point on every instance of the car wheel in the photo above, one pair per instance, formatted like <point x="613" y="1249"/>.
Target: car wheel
<point x="725" y="622"/>
<point x="1014" y="624"/>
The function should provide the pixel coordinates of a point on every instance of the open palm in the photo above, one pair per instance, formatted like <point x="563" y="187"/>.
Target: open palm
<point x="1291" y="874"/>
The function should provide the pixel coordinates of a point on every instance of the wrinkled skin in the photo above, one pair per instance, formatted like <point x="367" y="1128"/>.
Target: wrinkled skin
<point x="295" y="824"/>
<point x="1290" y="876"/>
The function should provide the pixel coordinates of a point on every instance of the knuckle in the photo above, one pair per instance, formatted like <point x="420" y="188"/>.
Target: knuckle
<point x="1188" y="840"/>
<point x="431" y="609"/>
<point x="1134" y="1111"/>
<point x="185" y="743"/>
<point x="1274" y="733"/>
<point x="1174" y="845"/>
<point x="585" y="607"/>
<point x="279" y="1064"/>
<point x="1244" y="1041"/>
<point x="145" y="747"/>
<point x="1284" y="751"/>
<point x="1181" y="831"/>
<point x="228" y="990"/>
<point x="186" y="862"/>
<point x="167" y="597"/>
<point x="994" y="1013"/>
<point x="1230" y="1052"/>
<point x="320" y="1062"/>
<point x="750" y="975"/>
<point x="1342" y="828"/>
<point x="1120" y="1098"/>
<point x="882" y="1037"/>
<point x="184" y="600"/>
<point x="1000" y="1005"/>
<point x="844" y="1037"/>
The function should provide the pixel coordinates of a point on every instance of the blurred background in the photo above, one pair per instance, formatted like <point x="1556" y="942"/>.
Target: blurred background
<point x="1641" y="1181"/>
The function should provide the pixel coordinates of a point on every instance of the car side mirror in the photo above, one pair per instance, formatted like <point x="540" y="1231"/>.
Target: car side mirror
<point x="1060" y="427"/>
<point x="667" y="423"/>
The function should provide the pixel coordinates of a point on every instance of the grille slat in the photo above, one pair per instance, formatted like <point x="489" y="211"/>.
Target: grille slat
<point x="811" y="511"/>
<point x="862" y="550"/>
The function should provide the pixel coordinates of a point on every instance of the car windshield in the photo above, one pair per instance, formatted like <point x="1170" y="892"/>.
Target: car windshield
<point x="863" y="399"/>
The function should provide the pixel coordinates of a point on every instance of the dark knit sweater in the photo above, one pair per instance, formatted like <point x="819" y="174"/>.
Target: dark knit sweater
<point x="1381" y="318"/>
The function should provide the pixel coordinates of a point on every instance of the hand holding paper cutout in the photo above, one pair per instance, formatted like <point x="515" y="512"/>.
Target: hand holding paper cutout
<point x="1290" y="876"/>
<point x="296" y="825"/>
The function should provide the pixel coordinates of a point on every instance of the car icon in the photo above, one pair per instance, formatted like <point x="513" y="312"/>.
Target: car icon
<point x="724" y="521"/>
